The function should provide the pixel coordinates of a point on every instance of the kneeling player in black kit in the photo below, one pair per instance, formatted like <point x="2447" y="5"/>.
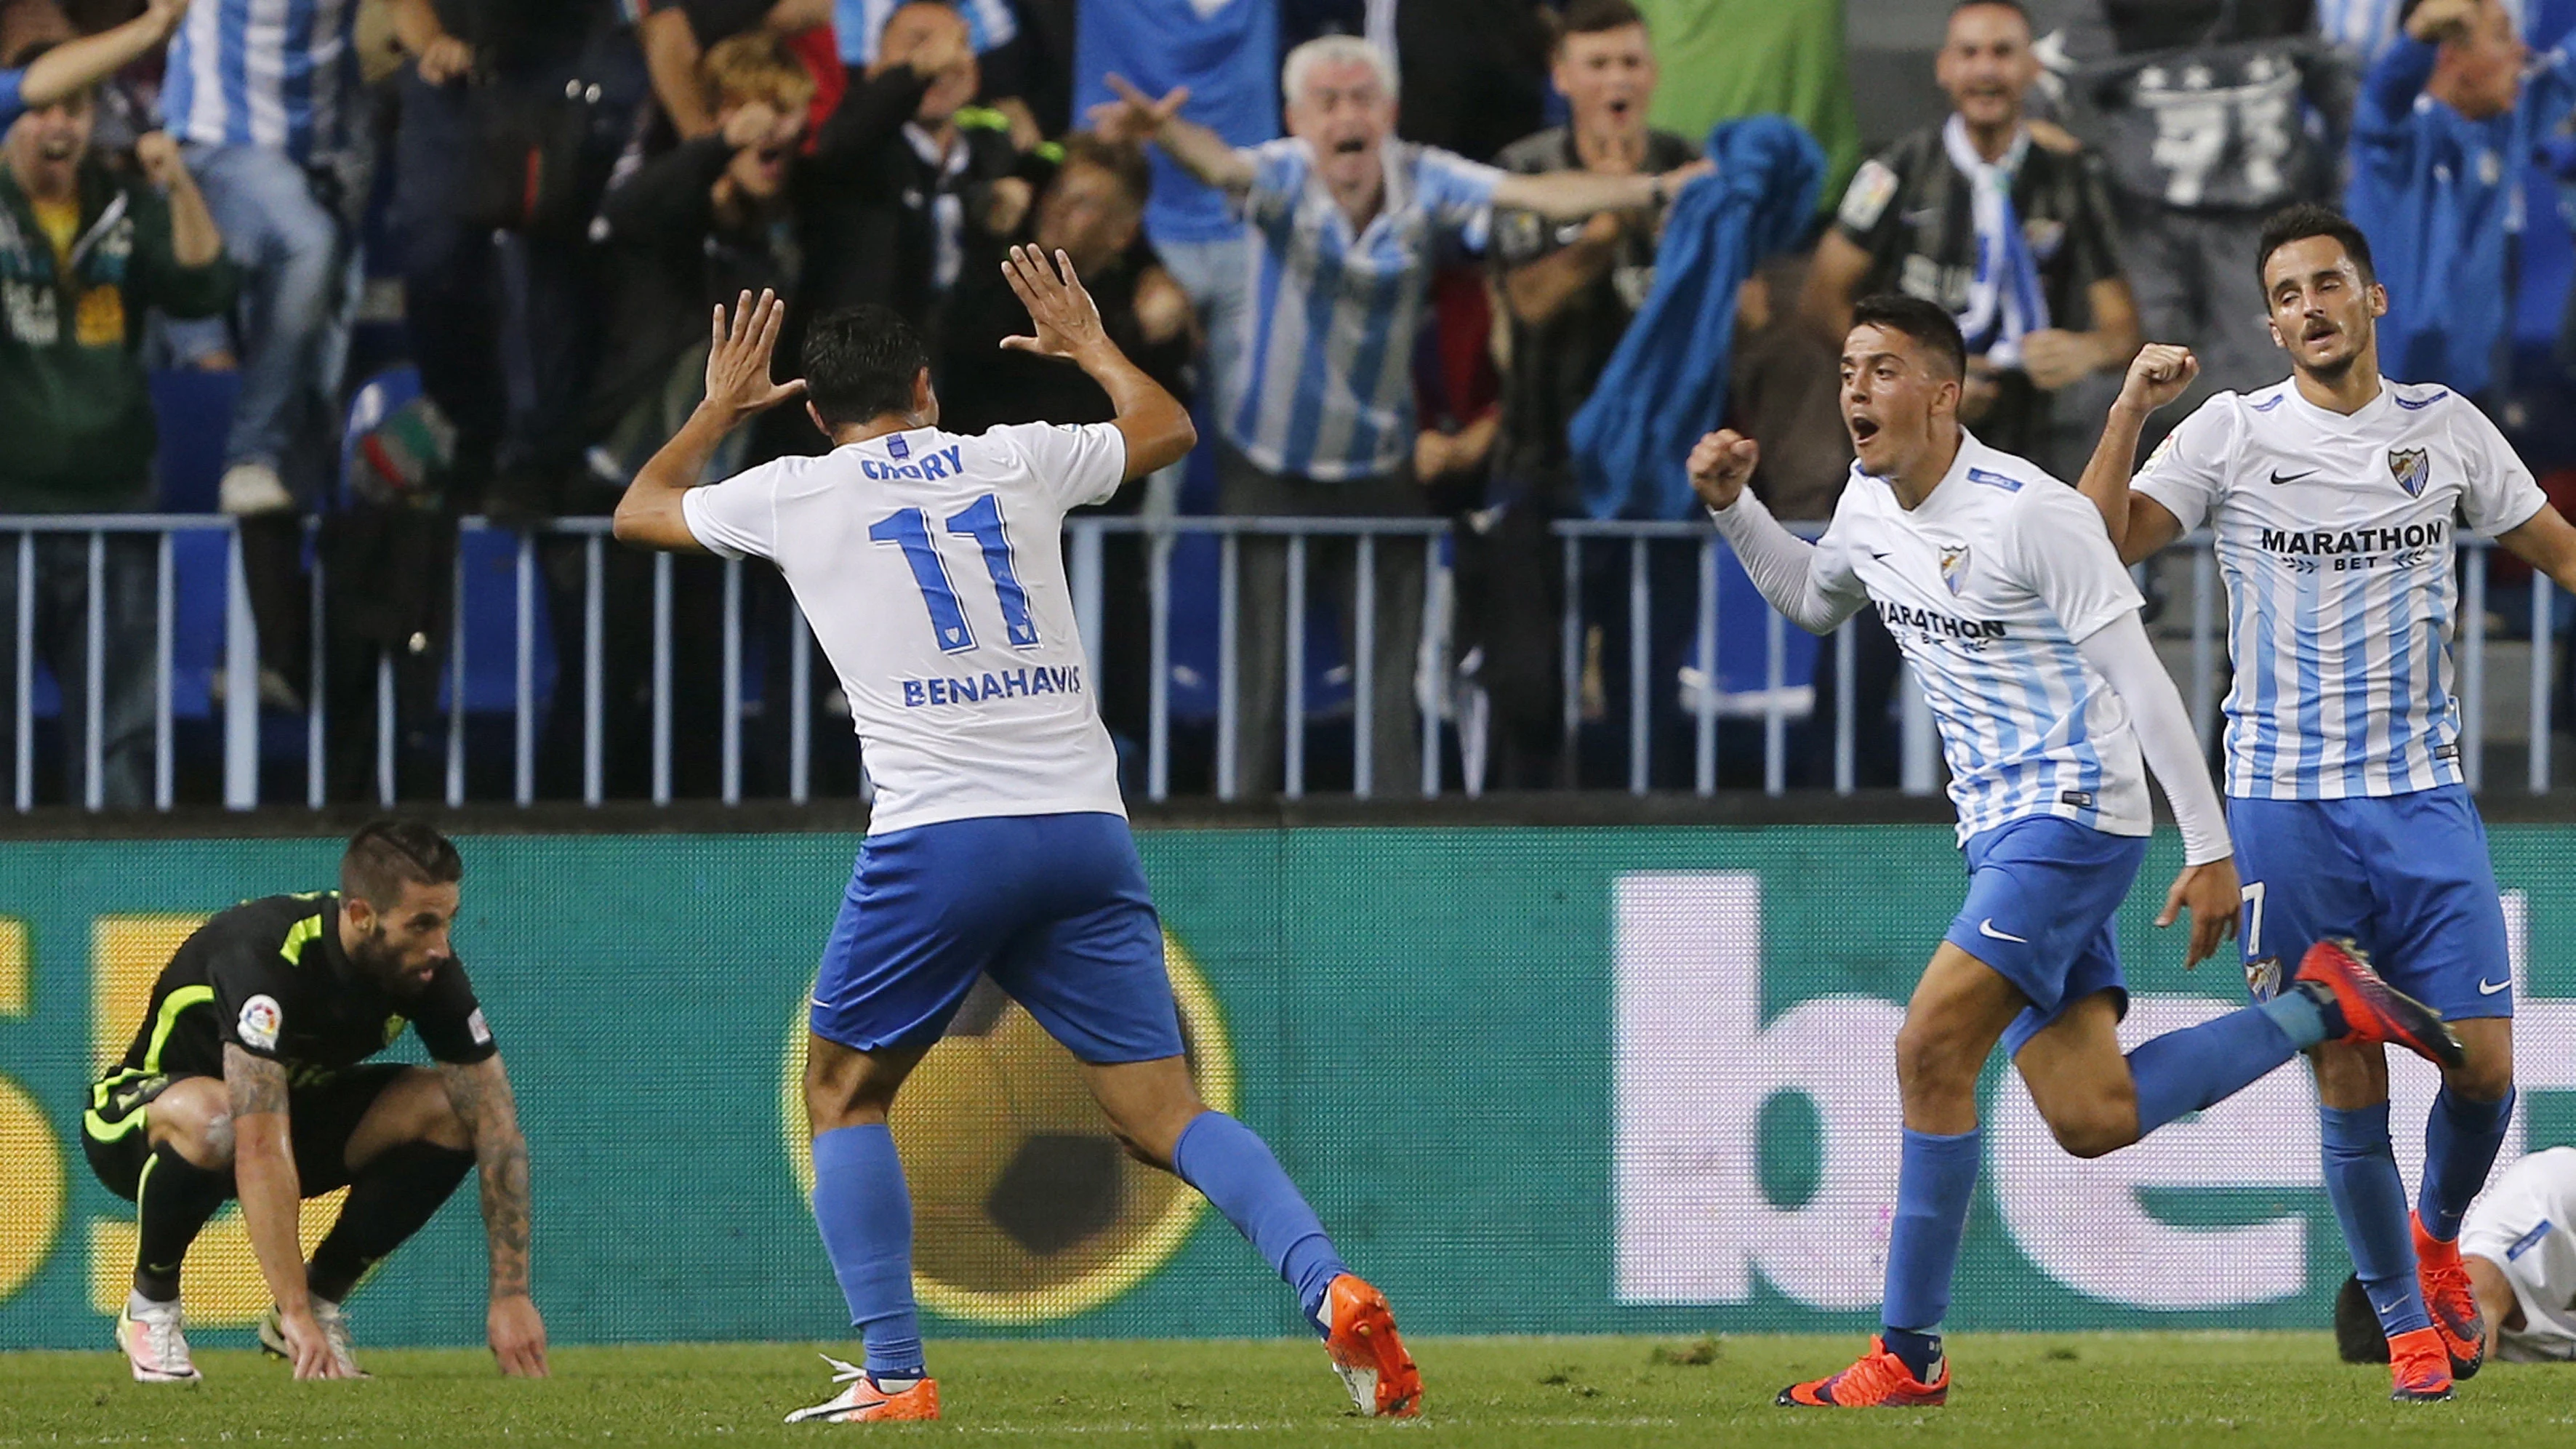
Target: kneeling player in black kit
<point x="249" y="1076"/>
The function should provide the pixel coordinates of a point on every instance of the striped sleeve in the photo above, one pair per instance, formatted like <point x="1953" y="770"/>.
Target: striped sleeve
<point x="1279" y="171"/>
<point x="1456" y="193"/>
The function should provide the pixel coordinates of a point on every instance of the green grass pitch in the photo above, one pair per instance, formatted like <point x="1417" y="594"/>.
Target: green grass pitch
<point x="2086" y="1391"/>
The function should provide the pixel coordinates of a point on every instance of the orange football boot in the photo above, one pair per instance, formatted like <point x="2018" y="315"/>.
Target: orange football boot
<point x="2373" y="1010"/>
<point x="2420" y="1367"/>
<point x="1879" y="1381"/>
<point x="864" y="1402"/>
<point x="2448" y="1298"/>
<point x="1366" y="1352"/>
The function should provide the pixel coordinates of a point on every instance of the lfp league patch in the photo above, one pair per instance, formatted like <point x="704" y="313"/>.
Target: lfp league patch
<point x="260" y="1022"/>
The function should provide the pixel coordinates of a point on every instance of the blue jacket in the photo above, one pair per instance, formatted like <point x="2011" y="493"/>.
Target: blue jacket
<point x="1666" y="385"/>
<point x="2439" y="196"/>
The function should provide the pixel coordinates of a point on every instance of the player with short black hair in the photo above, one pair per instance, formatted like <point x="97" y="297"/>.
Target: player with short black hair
<point x="930" y="565"/>
<point x="2023" y="629"/>
<point x="248" y="1077"/>
<point x="2334" y="496"/>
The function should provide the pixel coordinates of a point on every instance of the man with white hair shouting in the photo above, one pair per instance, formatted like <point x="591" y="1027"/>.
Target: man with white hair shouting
<point x="1347" y="224"/>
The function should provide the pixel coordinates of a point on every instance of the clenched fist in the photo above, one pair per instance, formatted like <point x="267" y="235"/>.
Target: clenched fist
<point x="1719" y="465"/>
<point x="2160" y="373"/>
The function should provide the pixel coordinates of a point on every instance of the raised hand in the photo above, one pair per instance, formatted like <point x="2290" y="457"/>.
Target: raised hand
<point x="1135" y="116"/>
<point x="738" y="384"/>
<point x="2160" y="373"/>
<point x="1066" y="319"/>
<point x="1720" y="463"/>
<point x="157" y="155"/>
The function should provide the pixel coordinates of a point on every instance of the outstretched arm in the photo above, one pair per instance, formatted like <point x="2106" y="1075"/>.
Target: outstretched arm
<point x="1136" y="116"/>
<point x="2547" y="542"/>
<point x="1156" y="427"/>
<point x="481" y="1095"/>
<point x="2139" y="526"/>
<point x="1781" y="565"/>
<point x="2207" y="888"/>
<point x="738" y="390"/>
<point x="264" y="1176"/>
<point x="76" y="65"/>
<point x="1573" y="195"/>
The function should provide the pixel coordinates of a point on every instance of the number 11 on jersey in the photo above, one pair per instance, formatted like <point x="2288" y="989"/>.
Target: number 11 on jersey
<point x="981" y="520"/>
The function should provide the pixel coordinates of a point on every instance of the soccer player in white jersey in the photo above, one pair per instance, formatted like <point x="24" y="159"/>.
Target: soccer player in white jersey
<point x="931" y="567"/>
<point x="2518" y="1243"/>
<point x="2333" y="496"/>
<point x="2005" y="596"/>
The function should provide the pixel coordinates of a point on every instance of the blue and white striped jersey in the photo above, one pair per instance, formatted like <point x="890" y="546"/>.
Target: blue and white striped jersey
<point x="2335" y="540"/>
<point x="931" y="567"/>
<point x="265" y="73"/>
<point x="859" y="25"/>
<point x="1989" y="586"/>
<point x="1328" y="379"/>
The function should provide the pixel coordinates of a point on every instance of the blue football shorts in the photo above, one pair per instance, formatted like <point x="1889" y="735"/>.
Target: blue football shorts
<point x="2407" y="876"/>
<point x="2042" y="895"/>
<point x="1052" y="907"/>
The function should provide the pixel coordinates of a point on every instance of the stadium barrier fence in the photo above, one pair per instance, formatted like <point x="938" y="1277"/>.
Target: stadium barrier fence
<point x="205" y="660"/>
<point x="1534" y="1080"/>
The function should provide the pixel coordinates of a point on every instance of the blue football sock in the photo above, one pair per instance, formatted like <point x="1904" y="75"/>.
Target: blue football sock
<point x="2370" y="1202"/>
<point x="1936" y="1177"/>
<point x="2460" y="1142"/>
<point x="1230" y="1164"/>
<point x="2201" y="1066"/>
<point x="866" y="1217"/>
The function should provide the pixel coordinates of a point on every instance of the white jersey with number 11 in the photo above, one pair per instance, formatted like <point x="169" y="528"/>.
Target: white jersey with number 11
<point x="931" y="568"/>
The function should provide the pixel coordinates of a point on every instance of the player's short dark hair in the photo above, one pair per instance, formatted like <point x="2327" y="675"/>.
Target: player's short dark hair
<point x="1928" y="323"/>
<point x="1598" y="17"/>
<point x="860" y="363"/>
<point x="2358" y="1338"/>
<point x="391" y="852"/>
<point x="1123" y="160"/>
<point x="2305" y="220"/>
<point x="2015" y="6"/>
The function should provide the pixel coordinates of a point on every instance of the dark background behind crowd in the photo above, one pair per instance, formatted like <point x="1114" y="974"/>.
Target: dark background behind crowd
<point x="470" y="247"/>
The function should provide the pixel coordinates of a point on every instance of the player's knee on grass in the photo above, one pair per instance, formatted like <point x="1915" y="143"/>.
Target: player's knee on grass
<point x="194" y="1118"/>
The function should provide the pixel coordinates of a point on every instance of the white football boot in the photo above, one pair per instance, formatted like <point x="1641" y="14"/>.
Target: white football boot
<point x="149" y="1333"/>
<point x="335" y="1331"/>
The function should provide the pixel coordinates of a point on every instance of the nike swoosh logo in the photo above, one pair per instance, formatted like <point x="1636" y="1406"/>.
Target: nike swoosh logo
<point x="1874" y="553"/>
<point x="2278" y="480"/>
<point x="2490" y="988"/>
<point x="1986" y="928"/>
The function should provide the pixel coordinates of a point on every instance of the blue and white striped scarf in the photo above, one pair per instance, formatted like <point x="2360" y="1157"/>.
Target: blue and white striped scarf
<point x="2004" y="302"/>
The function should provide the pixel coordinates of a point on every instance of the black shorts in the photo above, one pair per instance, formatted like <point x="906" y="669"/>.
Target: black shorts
<point x="322" y="1115"/>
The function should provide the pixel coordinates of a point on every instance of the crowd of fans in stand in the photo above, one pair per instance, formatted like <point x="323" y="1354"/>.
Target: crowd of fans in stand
<point x="1396" y="310"/>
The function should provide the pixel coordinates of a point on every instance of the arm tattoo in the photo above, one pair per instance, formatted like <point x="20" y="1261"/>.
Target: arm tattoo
<point x="481" y="1095"/>
<point x="255" y="1084"/>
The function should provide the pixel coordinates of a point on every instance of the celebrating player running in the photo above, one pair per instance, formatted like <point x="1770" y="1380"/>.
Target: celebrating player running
<point x="931" y="566"/>
<point x="2332" y="495"/>
<point x="2005" y="597"/>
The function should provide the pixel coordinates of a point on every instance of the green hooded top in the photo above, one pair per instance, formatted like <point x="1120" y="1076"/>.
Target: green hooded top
<point x="76" y="431"/>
